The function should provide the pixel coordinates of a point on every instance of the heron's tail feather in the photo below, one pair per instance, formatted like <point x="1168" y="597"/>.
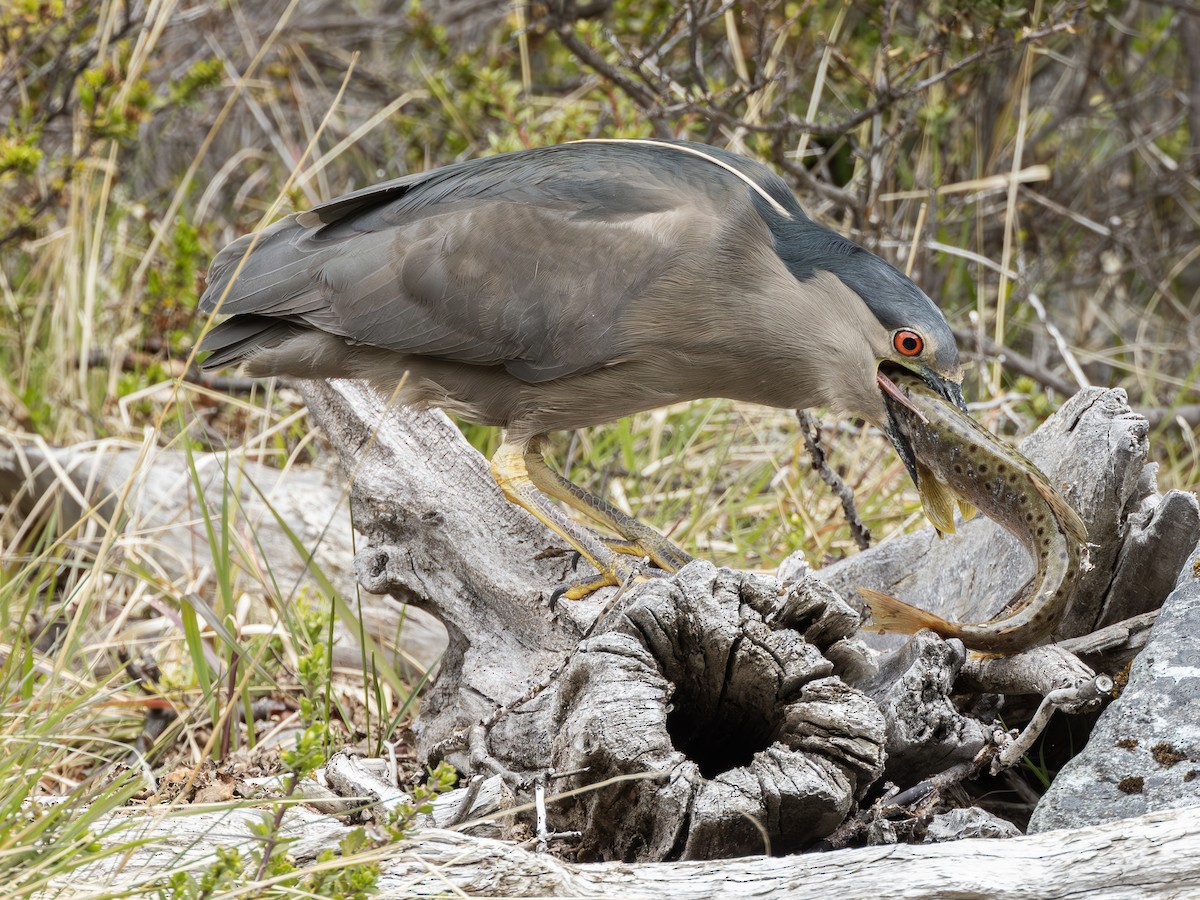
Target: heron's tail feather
<point x="890" y="615"/>
<point x="237" y="339"/>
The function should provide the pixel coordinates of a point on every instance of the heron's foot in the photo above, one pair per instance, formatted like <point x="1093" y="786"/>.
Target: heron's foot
<point x="618" y="562"/>
<point x="618" y="574"/>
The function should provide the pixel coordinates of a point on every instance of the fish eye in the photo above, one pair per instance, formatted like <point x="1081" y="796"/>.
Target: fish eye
<point x="908" y="343"/>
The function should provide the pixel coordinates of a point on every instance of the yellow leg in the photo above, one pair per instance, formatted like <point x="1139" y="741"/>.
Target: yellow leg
<point x="639" y="539"/>
<point x="510" y="471"/>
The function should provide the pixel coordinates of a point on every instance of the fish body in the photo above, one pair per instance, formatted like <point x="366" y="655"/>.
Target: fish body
<point x="959" y="460"/>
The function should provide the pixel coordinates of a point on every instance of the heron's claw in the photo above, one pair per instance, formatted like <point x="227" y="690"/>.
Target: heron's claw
<point x="621" y="574"/>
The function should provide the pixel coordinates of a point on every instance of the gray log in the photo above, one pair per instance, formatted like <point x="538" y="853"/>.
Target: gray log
<point x="1152" y="856"/>
<point x="162" y="528"/>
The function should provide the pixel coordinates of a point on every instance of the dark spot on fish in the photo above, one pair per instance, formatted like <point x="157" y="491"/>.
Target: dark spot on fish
<point x="1041" y="531"/>
<point x="1028" y="517"/>
<point x="1002" y="468"/>
<point x="957" y="468"/>
<point x="983" y="468"/>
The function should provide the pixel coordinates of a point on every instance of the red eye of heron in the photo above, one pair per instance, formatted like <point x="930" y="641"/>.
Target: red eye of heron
<point x="908" y="343"/>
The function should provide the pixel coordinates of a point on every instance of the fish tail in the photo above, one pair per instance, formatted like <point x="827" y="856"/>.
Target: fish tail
<point x="890" y="615"/>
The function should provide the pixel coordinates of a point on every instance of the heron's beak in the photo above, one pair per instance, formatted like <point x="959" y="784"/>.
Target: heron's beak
<point x="894" y="397"/>
<point x="903" y="448"/>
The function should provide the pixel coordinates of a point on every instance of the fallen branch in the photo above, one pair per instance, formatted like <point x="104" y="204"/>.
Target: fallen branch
<point x="1134" y="859"/>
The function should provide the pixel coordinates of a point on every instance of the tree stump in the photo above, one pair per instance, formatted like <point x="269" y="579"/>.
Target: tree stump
<point x="713" y="696"/>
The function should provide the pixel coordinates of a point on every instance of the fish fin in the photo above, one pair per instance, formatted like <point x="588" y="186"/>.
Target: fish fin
<point x="891" y="615"/>
<point x="968" y="510"/>
<point x="937" y="499"/>
<point x="1066" y="516"/>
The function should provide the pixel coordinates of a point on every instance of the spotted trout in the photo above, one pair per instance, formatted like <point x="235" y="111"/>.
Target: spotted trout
<point x="957" y="460"/>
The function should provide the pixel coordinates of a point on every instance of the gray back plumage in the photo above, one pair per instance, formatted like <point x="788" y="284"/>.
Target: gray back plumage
<point x="526" y="260"/>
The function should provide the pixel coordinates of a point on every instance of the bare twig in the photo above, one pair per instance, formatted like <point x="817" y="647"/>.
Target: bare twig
<point x="1119" y="642"/>
<point x="1088" y="693"/>
<point x="1188" y="413"/>
<point x="810" y="429"/>
<point x="468" y="801"/>
<point x="1039" y="670"/>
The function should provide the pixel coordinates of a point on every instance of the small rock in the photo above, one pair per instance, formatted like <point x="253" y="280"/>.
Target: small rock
<point x="881" y="831"/>
<point x="971" y="822"/>
<point x="1147" y="743"/>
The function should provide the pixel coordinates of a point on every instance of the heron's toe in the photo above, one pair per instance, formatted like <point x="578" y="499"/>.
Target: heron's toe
<point x="620" y="573"/>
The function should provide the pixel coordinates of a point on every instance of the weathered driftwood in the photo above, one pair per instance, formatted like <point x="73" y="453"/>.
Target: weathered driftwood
<point x="161" y="527"/>
<point x="714" y="697"/>
<point x="1147" y="857"/>
<point x="686" y="714"/>
<point x="1115" y="644"/>
<point x="734" y="728"/>
<point x="1039" y="670"/>
<point x="444" y="539"/>
<point x="690" y="688"/>
<point x="926" y="733"/>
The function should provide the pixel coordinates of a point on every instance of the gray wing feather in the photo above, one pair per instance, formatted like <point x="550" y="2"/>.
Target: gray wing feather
<point x="525" y="260"/>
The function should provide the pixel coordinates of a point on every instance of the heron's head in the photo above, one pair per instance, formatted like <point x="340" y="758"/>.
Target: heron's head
<point x="876" y="320"/>
<point x="912" y="335"/>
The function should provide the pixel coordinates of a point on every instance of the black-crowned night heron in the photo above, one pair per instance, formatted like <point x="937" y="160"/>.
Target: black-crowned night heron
<point x="571" y="285"/>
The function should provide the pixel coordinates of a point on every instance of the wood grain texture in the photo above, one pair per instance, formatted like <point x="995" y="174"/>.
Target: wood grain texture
<point x="1153" y="856"/>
